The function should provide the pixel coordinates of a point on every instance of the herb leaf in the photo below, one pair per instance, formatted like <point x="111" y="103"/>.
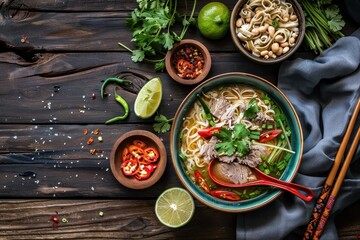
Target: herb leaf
<point x="162" y="123"/>
<point x="233" y="141"/>
<point x="242" y="147"/>
<point x="240" y="131"/>
<point x="323" y="22"/>
<point x="252" y="109"/>
<point x="151" y="23"/>
<point x="335" y="19"/>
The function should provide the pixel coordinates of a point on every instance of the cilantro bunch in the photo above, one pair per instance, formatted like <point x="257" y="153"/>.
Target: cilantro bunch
<point x="323" y="22"/>
<point x="233" y="141"/>
<point x="152" y="24"/>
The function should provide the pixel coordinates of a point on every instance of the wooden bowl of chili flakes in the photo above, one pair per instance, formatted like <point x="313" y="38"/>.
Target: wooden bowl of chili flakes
<point x="188" y="62"/>
<point x="138" y="159"/>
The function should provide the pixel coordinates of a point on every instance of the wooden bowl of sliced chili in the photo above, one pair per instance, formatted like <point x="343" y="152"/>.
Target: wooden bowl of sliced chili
<point x="138" y="159"/>
<point x="188" y="62"/>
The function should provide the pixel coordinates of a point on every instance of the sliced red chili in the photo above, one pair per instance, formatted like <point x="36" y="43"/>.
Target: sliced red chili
<point x="126" y="155"/>
<point x="151" y="154"/>
<point x="200" y="180"/>
<point x="183" y="65"/>
<point x="139" y="143"/>
<point x="145" y="171"/>
<point x="269" y="135"/>
<point x="208" y="132"/>
<point x="130" y="167"/>
<point x="227" y="195"/>
<point x="136" y="151"/>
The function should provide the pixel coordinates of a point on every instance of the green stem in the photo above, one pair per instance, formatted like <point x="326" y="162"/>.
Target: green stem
<point x="145" y="59"/>
<point x="185" y="28"/>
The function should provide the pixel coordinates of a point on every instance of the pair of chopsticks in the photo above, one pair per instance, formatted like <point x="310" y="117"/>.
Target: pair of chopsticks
<point x="328" y="194"/>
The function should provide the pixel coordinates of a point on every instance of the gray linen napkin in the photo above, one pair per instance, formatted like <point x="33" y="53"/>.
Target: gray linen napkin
<point x="324" y="92"/>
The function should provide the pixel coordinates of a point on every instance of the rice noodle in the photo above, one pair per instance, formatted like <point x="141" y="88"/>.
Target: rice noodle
<point x="267" y="28"/>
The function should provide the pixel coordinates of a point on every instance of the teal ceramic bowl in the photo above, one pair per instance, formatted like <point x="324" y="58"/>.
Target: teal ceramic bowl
<point x="296" y="140"/>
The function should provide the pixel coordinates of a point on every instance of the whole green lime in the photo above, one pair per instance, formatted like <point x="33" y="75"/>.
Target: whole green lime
<point x="214" y="20"/>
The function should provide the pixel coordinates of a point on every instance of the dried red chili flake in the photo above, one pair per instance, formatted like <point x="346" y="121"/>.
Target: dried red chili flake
<point x="55" y="219"/>
<point x="93" y="151"/>
<point x="96" y="131"/>
<point x="90" y="141"/>
<point x="85" y="131"/>
<point x="188" y="62"/>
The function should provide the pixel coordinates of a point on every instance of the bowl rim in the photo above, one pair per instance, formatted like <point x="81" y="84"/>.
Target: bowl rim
<point x="300" y="14"/>
<point x="242" y="206"/>
<point x="207" y="61"/>
<point x="157" y="174"/>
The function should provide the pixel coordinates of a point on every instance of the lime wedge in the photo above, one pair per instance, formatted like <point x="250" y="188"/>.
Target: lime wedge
<point x="174" y="207"/>
<point x="148" y="99"/>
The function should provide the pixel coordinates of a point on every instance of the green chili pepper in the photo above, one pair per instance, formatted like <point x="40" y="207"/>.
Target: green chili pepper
<point x="206" y="110"/>
<point x="112" y="80"/>
<point x="124" y="104"/>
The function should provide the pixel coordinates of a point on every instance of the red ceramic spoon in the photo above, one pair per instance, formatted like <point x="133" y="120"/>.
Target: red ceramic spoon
<point x="263" y="179"/>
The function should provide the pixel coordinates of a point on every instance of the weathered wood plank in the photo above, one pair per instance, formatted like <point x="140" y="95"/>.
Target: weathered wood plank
<point x="126" y="219"/>
<point x="92" y="5"/>
<point x="28" y="94"/>
<point x="85" y="30"/>
<point x="64" y="167"/>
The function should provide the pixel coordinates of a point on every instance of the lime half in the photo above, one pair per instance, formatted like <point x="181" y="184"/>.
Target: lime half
<point x="174" y="207"/>
<point x="148" y="99"/>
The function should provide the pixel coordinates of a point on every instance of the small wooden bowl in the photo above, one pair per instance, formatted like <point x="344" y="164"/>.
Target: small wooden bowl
<point x="239" y="44"/>
<point x="173" y="72"/>
<point x="115" y="158"/>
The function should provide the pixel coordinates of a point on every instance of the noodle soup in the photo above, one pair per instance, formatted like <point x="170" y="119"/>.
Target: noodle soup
<point x="241" y="127"/>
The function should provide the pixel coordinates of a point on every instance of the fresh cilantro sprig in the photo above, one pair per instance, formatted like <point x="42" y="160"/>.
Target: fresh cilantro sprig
<point x="252" y="109"/>
<point x="163" y="124"/>
<point x="153" y="36"/>
<point x="233" y="141"/>
<point x="323" y="21"/>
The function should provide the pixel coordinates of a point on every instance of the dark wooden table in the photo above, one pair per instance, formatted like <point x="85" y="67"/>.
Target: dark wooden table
<point x="53" y="57"/>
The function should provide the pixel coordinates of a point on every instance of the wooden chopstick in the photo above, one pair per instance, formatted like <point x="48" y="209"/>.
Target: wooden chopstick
<point x="325" y="192"/>
<point x="337" y="186"/>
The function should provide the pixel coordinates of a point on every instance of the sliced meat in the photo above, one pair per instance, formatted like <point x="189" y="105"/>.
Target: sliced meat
<point x="253" y="158"/>
<point x="208" y="149"/>
<point x="226" y="158"/>
<point x="262" y="118"/>
<point x="233" y="172"/>
<point x="219" y="107"/>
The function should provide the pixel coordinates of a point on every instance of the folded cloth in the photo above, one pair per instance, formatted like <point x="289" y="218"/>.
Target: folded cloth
<point x="324" y="92"/>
